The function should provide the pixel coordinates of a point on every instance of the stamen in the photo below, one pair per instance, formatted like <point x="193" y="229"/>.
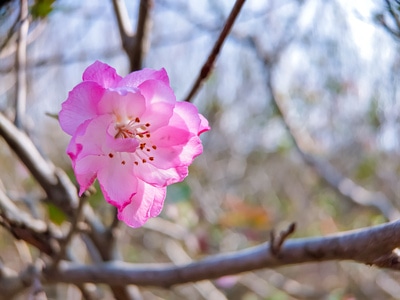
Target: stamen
<point x="110" y="155"/>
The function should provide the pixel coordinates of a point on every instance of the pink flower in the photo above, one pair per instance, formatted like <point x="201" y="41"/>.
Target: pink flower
<point x="132" y="135"/>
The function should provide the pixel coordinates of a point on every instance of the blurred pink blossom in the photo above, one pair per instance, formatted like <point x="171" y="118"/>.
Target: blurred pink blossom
<point x="132" y="135"/>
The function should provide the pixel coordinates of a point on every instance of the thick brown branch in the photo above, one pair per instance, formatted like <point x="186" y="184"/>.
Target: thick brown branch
<point x="371" y="245"/>
<point x="134" y="43"/>
<point x="206" y="69"/>
<point x="142" y="35"/>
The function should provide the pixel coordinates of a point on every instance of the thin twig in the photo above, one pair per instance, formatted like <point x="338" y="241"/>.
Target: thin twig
<point x="65" y="242"/>
<point x="277" y="242"/>
<point x="206" y="69"/>
<point x="394" y="15"/>
<point x="20" y="64"/>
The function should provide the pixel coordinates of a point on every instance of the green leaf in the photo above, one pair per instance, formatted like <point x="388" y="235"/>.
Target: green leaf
<point x="55" y="214"/>
<point x="42" y="8"/>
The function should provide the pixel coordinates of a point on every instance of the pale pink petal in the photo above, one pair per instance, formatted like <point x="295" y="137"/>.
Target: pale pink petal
<point x="92" y="136"/>
<point x="169" y="142"/>
<point x="122" y="104"/>
<point x="137" y="78"/>
<point x="158" y="177"/>
<point x="160" y="103"/>
<point x="195" y="122"/>
<point x="190" y="151"/>
<point x="102" y="74"/>
<point x="204" y="126"/>
<point x="81" y="105"/>
<point x="147" y="203"/>
<point x="86" y="169"/>
<point x="117" y="180"/>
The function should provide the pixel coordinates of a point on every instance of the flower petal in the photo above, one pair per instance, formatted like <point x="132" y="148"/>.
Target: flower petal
<point x="91" y="136"/>
<point x="147" y="203"/>
<point x="102" y="74"/>
<point x="135" y="79"/>
<point x="123" y="104"/>
<point x="86" y="170"/>
<point x="117" y="180"/>
<point x="81" y="105"/>
<point x="160" y="103"/>
<point x="195" y="122"/>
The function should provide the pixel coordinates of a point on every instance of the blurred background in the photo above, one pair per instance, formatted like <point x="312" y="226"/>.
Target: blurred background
<point x="332" y="65"/>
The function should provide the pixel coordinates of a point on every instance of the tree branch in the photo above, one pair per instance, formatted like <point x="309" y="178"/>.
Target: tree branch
<point x="372" y="246"/>
<point x="23" y="227"/>
<point x="58" y="187"/>
<point x="54" y="182"/>
<point x="142" y="35"/>
<point x="134" y="43"/>
<point x="206" y="69"/>
<point x="20" y="63"/>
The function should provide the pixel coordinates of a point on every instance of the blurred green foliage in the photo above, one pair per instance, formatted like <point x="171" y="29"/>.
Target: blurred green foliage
<point x="42" y="8"/>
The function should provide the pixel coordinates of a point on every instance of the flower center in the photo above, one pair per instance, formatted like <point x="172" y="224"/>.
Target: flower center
<point x="137" y="130"/>
<point x="132" y="129"/>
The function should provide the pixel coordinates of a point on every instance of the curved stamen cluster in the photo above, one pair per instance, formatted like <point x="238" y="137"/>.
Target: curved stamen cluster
<point x="135" y="129"/>
<point x="132" y="129"/>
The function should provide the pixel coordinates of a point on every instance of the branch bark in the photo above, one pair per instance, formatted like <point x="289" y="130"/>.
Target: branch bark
<point x="134" y="43"/>
<point x="372" y="246"/>
<point x="206" y="69"/>
<point x="20" y="63"/>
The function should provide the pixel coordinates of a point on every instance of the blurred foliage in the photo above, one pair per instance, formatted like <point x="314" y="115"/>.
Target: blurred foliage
<point x="42" y="8"/>
<point x="55" y="214"/>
